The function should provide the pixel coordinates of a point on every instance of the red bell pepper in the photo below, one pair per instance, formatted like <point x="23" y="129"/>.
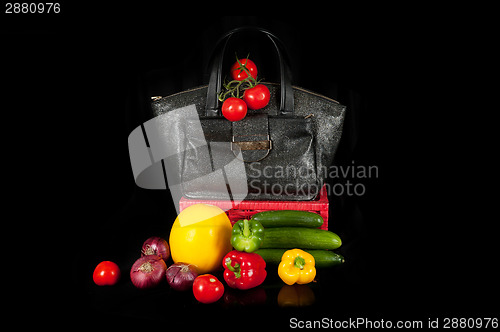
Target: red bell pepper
<point x="244" y="270"/>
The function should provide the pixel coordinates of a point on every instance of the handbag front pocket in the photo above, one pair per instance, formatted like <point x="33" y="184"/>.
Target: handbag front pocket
<point x="281" y="166"/>
<point x="289" y="171"/>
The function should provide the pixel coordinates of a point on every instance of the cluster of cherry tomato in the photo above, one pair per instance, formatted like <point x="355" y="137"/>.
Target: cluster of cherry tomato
<point x="255" y="95"/>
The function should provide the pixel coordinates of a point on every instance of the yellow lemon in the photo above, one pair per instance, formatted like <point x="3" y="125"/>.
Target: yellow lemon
<point x="201" y="235"/>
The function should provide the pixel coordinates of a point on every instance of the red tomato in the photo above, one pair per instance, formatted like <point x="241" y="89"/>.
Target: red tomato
<point x="257" y="97"/>
<point x="234" y="109"/>
<point x="106" y="273"/>
<point x="240" y="74"/>
<point x="207" y="288"/>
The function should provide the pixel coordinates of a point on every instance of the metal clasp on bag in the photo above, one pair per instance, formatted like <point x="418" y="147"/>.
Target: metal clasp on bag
<point x="251" y="146"/>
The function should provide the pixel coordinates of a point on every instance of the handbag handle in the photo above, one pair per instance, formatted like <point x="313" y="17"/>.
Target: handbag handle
<point x="215" y="81"/>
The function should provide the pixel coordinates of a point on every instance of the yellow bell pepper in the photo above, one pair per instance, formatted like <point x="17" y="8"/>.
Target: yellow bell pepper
<point x="297" y="266"/>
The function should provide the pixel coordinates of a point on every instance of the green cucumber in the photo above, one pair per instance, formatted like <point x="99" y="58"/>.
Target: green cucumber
<point x="322" y="258"/>
<point x="300" y="237"/>
<point x="288" y="218"/>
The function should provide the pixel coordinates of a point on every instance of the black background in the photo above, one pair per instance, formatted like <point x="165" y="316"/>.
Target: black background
<point x="417" y="244"/>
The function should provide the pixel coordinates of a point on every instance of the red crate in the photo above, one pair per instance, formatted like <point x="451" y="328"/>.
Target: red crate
<point x="246" y="209"/>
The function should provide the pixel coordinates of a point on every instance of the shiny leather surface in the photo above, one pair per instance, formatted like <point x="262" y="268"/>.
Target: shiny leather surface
<point x="299" y="143"/>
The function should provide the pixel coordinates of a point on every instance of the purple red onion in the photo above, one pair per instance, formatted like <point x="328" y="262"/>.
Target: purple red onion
<point x="156" y="246"/>
<point x="180" y="276"/>
<point x="148" y="271"/>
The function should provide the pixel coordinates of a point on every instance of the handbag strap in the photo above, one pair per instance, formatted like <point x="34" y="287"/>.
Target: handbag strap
<point x="215" y="80"/>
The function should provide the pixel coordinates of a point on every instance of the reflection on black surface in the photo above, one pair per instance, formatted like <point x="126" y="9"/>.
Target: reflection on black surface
<point x="296" y="296"/>
<point x="249" y="297"/>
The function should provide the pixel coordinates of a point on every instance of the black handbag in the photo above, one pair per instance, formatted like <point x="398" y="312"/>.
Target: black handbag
<point x="281" y="152"/>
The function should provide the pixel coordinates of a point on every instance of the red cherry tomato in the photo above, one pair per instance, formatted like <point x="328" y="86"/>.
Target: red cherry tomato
<point x="106" y="273"/>
<point x="234" y="109"/>
<point x="240" y="74"/>
<point x="207" y="288"/>
<point x="257" y="97"/>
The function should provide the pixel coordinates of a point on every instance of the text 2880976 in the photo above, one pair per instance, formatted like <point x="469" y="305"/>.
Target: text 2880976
<point x="32" y="8"/>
